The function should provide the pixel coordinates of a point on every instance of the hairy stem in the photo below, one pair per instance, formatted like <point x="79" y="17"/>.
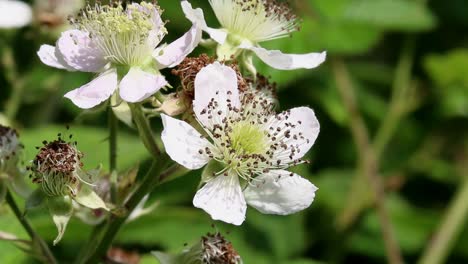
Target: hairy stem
<point x="47" y="255"/>
<point x="367" y="163"/>
<point x="144" y="130"/>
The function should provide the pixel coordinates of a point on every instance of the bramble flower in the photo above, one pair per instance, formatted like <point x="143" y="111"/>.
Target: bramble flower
<point x="14" y="14"/>
<point x="249" y="147"/>
<point x="57" y="168"/>
<point x="212" y="249"/>
<point x="120" y="44"/>
<point x="246" y="23"/>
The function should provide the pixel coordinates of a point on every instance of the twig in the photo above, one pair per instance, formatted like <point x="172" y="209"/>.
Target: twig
<point x="367" y="162"/>
<point x="46" y="253"/>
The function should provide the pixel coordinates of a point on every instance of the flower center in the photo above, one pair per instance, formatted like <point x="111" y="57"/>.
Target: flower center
<point x="126" y="36"/>
<point x="247" y="139"/>
<point x="255" y="20"/>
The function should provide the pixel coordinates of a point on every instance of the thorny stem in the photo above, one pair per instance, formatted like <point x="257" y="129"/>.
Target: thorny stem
<point x="452" y="224"/>
<point x="46" y="253"/>
<point x="367" y="163"/>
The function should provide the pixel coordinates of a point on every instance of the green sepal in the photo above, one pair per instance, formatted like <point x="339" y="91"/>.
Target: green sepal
<point x="88" y="198"/>
<point x="34" y="200"/>
<point x="210" y="169"/>
<point x="61" y="209"/>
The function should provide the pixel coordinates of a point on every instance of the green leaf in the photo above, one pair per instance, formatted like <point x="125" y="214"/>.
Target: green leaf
<point x="61" y="210"/>
<point x="88" y="198"/>
<point x="400" y="15"/>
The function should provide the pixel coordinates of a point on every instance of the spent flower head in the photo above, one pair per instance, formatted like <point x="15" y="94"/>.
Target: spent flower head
<point x="57" y="168"/>
<point x="211" y="249"/>
<point x="248" y="147"/>
<point x="120" y="43"/>
<point x="246" y="23"/>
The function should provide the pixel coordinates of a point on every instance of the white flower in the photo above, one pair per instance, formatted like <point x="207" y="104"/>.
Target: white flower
<point x="14" y="14"/>
<point x="252" y="144"/>
<point x="246" y="23"/>
<point x="121" y="46"/>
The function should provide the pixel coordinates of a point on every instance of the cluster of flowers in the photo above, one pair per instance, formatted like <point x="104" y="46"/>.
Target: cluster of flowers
<point x="232" y="126"/>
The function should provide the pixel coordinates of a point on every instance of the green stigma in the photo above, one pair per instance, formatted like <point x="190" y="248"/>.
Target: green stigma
<point x="247" y="138"/>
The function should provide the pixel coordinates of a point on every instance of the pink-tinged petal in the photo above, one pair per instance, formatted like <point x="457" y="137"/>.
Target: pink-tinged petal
<point x="222" y="199"/>
<point x="196" y="16"/>
<point x="280" y="192"/>
<point x="137" y="85"/>
<point x="47" y="55"/>
<point x="303" y="128"/>
<point x="215" y="83"/>
<point x="14" y="14"/>
<point x="183" y="143"/>
<point x="282" y="61"/>
<point x="80" y="52"/>
<point x="96" y="91"/>
<point x="175" y="53"/>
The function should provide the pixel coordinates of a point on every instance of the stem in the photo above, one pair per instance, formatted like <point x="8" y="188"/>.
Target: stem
<point x="144" y="130"/>
<point x="452" y="224"/>
<point x="400" y="88"/>
<point x="112" y="228"/>
<point x="113" y="127"/>
<point x="17" y="86"/>
<point x="47" y="254"/>
<point x="367" y="162"/>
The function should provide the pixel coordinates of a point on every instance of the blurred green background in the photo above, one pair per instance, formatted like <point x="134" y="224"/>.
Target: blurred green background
<point x="392" y="100"/>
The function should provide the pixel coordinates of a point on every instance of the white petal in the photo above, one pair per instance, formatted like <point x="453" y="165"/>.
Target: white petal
<point x="304" y="129"/>
<point x="14" y="14"/>
<point x="219" y="82"/>
<point x="282" y="61"/>
<point x="277" y="192"/>
<point x="196" y="16"/>
<point x="183" y="143"/>
<point x="46" y="54"/>
<point x="96" y="91"/>
<point x="175" y="53"/>
<point x="137" y="85"/>
<point x="80" y="52"/>
<point x="222" y="199"/>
